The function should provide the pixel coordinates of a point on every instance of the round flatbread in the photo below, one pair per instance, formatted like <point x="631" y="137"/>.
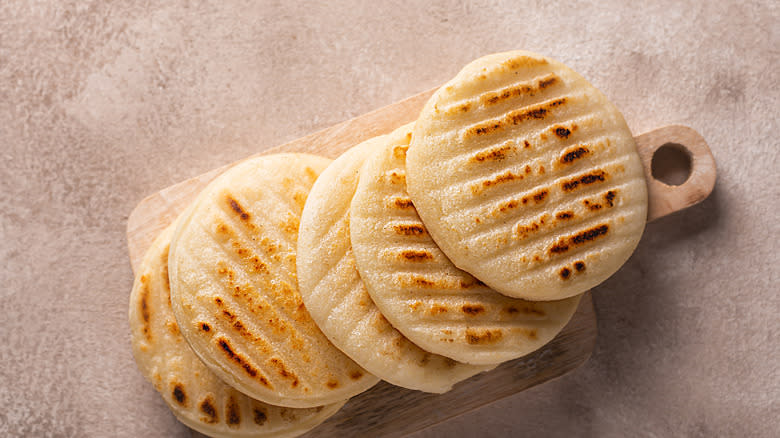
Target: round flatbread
<point x="527" y="177"/>
<point x="194" y="394"/>
<point x="337" y="299"/>
<point x="235" y="293"/>
<point x="437" y="306"/>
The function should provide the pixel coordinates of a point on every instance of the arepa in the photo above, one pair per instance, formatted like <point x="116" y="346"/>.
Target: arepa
<point x="336" y="297"/>
<point x="527" y="177"/>
<point x="437" y="306"/>
<point x="234" y="289"/>
<point x="194" y="394"/>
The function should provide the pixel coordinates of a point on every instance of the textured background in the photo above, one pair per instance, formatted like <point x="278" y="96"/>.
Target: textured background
<point x="102" y="103"/>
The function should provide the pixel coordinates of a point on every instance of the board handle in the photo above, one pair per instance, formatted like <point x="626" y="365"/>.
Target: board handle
<point x="685" y="150"/>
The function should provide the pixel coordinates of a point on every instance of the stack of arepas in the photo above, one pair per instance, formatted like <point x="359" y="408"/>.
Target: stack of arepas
<point x="421" y="257"/>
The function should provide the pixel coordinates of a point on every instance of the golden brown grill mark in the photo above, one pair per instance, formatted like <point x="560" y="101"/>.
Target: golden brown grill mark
<point x="523" y="231"/>
<point x="209" y="408"/>
<point x="222" y="228"/>
<point x="144" y="307"/>
<point x="609" y="197"/>
<point x="290" y="226"/>
<point x="245" y="293"/>
<point x="609" y="201"/>
<point x="258" y="265"/>
<point x="332" y="384"/>
<point x="526" y="310"/>
<point x="561" y="132"/>
<point x="270" y="247"/>
<point x="416" y="255"/>
<point x="592" y="206"/>
<point x="524" y="61"/>
<point x="284" y="372"/>
<point x="472" y="309"/>
<point x="540" y="195"/>
<point x="396" y="177"/>
<point x="288" y="414"/>
<point x="495" y="154"/>
<point x="402" y="203"/>
<point x="537" y="197"/>
<point x="248" y="257"/>
<point x="179" y="395"/>
<point x="242" y="362"/>
<point x="514" y="118"/>
<point x="300" y="199"/>
<point x="564" y="215"/>
<point x="233" y="412"/>
<point x="580" y="238"/>
<point x="231" y="318"/>
<point x="531" y="334"/>
<point x="442" y="283"/>
<point x="166" y="278"/>
<point x="573" y="154"/>
<point x="409" y="229"/>
<point x="437" y="309"/>
<point x="519" y="90"/>
<point x="483" y="337"/>
<point x="399" y="152"/>
<point x="466" y="284"/>
<point x="512" y="310"/>
<point x="507" y="205"/>
<point x="583" y="180"/>
<point x="419" y="281"/>
<point x="356" y="375"/>
<point x="311" y="174"/>
<point x="544" y="83"/>
<point x="172" y="327"/>
<point x="504" y="177"/>
<point x="464" y="108"/>
<point x="260" y="416"/>
<point x="566" y="272"/>
<point x="236" y="207"/>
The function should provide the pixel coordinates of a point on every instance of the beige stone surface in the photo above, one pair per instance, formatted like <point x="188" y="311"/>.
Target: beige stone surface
<point x="103" y="102"/>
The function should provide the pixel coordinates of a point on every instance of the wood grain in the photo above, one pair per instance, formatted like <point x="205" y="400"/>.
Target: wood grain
<point x="390" y="411"/>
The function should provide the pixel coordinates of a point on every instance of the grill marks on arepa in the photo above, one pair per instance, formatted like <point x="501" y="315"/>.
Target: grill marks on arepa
<point x="194" y="394"/>
<point x="546" y="175"/>
<point x="437" y="306"/>
<point x="283" y="314"/>
<point x="236" y="259"/>
<point x="333" y="289"/>
<point x="243" y="267"/>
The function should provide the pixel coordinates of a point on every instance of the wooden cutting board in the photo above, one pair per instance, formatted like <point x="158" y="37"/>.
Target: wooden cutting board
<point x="390" y="411"/>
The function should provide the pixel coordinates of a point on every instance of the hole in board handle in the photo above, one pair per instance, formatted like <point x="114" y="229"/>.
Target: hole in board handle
<point x="672" y="164"/>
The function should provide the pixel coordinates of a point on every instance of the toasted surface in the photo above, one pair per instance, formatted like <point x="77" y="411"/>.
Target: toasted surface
<point x="337" y="298"/>
<point x="194" y="394"/>
<point x="234" y="288"/>
<point x="437" y="306"/>
<point x="527" y="177"/>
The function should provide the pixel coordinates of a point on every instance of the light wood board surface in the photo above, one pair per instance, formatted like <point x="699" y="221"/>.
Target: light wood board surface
<point x="386" y="410"/>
